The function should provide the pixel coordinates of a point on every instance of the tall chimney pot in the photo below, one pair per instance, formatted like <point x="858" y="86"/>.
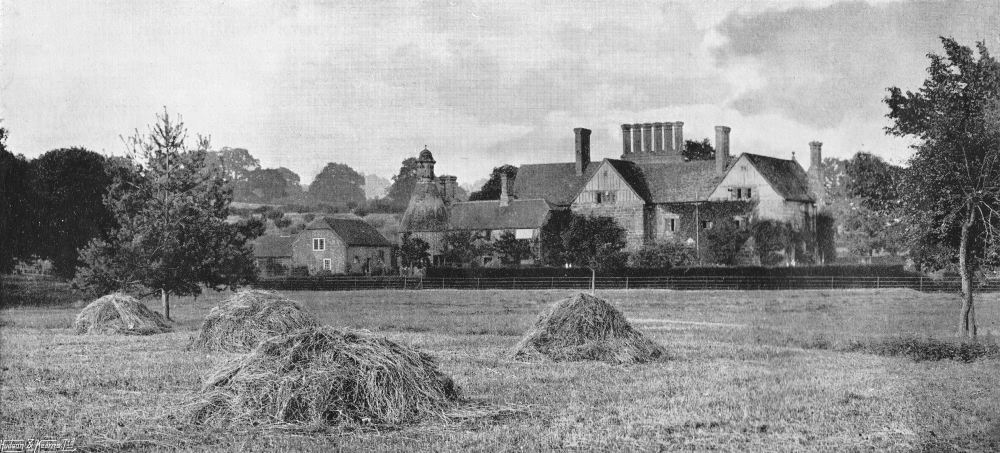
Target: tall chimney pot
<point x="626" y="140"/>
<point x="636" y="138"/>
<point x="668" y="138"/>
<point x="679" y="137"/>
<point x="721" y="149"/>
<point x="657" y="137"/>
<point x="816" y="170"/>
<point x="582" y="149"/>
<point x="647" y="137"/>
<point x="504" y="195"/>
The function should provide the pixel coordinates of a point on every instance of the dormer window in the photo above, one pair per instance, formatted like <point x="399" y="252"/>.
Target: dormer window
<point x="741" y="193"/>
<point x="605" y="196"/>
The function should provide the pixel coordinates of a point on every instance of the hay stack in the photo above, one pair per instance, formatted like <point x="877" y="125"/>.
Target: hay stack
<point x="119" y="314"/>
<point x="242" y="321"/>
<point x="321" y="376"/>
<point x="584" y="327"/>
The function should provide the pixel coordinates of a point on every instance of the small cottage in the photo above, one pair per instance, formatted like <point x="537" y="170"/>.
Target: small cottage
<point x="337" y="246"/>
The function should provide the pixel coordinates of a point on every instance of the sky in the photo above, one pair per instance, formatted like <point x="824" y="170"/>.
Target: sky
<point x="479" y="83"/>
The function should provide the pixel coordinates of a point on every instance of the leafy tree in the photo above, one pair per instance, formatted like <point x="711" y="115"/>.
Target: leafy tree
<point x="463" y="247"/>
<point x="664" y="255"/>
<point x="17" y="235"/>
<point x="772" y="239"/>
<point x="551" y="250"/>
<point x="413" y="252"/>
<point x="401" y="190"/>
<point x="338" y="184"/>
<point x="261" y="186"/>
<point x="826" y="243"/>
<point x="594" y="242"/>
<point x="725" y="240"/>
<point x="491" y="189"/>
<point x="951" y="190"/>
<point x="235" y="163"/>
<point x="172" y="235"/>
<point x="511" y="250"/>
<point x="702" y="150"/>
<point x="873" y="180"/>
<point x="70" y="186"/>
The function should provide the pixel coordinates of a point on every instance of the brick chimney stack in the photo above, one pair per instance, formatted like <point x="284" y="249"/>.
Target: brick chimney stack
<point x="626" y="140"/>
<point x="582" y="149"/>
<point x="816" y="171"/>
<point x="647" y="138"/>
<point x="657" y="137"/>
<point x="636" y="138"/>
<point x="721" y="149"/>
<point x="678" y="136"/>
<point x="442" y="184"/>
<point x="668" y="138"/>
<point x="449" y="188"/>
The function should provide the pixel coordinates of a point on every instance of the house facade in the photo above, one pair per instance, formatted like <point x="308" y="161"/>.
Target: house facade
<point x="652" y="191"/>
<point x="337" y="246"/>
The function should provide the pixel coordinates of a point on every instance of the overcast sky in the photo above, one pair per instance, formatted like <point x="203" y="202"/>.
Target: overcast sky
<point x="479" y="83"/>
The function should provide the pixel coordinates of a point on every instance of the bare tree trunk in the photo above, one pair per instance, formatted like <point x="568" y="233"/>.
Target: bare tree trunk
<point x="165" y="297"/>
<point x="967" y="319"/>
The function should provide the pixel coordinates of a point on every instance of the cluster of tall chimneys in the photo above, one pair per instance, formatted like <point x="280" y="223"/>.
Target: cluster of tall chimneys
<point x="446" y="187"/>
<point x="653" y="138"/>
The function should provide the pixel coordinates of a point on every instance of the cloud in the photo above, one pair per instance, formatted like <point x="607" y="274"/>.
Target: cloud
<point x="826" y="65"/>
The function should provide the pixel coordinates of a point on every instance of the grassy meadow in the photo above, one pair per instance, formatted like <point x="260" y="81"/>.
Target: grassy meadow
<point x="748" y="371"/>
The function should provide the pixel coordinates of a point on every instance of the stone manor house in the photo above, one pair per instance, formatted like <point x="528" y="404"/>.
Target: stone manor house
<point x="652" y="191"/>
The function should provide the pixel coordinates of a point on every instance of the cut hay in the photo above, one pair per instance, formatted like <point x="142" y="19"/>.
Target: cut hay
<point x="584" y="327"/>
<point x="324" y="377"/>
<point x="119" y="314"/>
<point x="242" y="321"/>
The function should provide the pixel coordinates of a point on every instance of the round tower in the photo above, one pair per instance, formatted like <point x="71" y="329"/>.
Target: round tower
<point x="426" y="211"/>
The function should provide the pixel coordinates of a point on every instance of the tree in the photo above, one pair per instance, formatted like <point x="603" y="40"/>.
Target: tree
<point x="551" y="250"/>
<point x="235" y="163"/>
<point x="664" y="255"/>
<point x="462" y="247"/>
<point x="172" y="235"/>
<point x="873" y="180"/>
<point x="70" y="186"/>
<point x="702" y="150"/>
<point x="725" y="241"/>
<point x="511" y="250"/>
<point x="772" y="239"/>
<point x="491" y="189"/>
<point x="261" y="186"/>
<point x="338" y="184"/>
<point x="826" y="243"/>
<point x="401" y="190"/>
<point x="594" y="242"/>
<point x="951" y="190"/>
<point x="17" y="236"/>
<point x="413" y="252"/>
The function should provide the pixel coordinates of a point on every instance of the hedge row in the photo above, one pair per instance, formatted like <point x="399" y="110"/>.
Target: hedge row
<point x="857" y="270"/>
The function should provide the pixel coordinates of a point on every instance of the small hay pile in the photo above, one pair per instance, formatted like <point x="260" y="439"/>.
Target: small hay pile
<point x="242" y="321"/>
<point x="584" y="327"/>
<point x="324" y="377"/>
<point x="119" y="314"/>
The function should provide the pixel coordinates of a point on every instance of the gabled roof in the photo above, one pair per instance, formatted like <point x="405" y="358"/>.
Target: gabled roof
<point x="352" y="231"/>
<point x="633" y="176"/>
<point x="557" y="184"/>
<point x="273" y="247"/>
<point x="681" y="181"/>
<point x="786" y="177"/>
<point x="489" y="215"/>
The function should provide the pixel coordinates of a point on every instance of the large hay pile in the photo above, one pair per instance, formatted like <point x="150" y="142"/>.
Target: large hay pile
<point x="584" y="327"/>
<point x="119" y="314"/>
<point x="242" y="321"/>
<point x="321" y="376"/>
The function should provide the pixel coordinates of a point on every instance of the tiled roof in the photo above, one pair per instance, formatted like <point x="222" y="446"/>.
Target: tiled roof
<point x="680" y="182"/>
<point x="785" y="176"/>
<point x="633" y="175"/>
<point x="557" y="184"/>
<point x="352" y="231"/>
<point x="273" y="247"/>
<point x="489" y="215"/>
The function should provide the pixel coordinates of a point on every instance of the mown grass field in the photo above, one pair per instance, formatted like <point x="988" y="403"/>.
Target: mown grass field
<point x="749" y="371"/>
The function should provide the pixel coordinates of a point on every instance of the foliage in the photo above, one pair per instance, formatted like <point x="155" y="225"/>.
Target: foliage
<point x="951" y="190"/>
<point x="491" y="188"/>
<point x="261" y="186"/>
<point x="826" y="243"/>
<point x="463" y="247"/>
<point x="550" y="241"/>
<point x="594" y="242"/>
<point x="403" y="183"/>
<point x="413" y="252"/>
<point x="172" y="234"/>
<point x="235" y="163"/>
<point x="725" y="241"/>
<point x="702" y="150"/>
<point x="664" y="254"/>
<point x="338" y="184"/>
<point x="772" y="240"/>
<point x="511" y="250"/>
<point x="16" y="208"/>
<point x="873" y="180"/>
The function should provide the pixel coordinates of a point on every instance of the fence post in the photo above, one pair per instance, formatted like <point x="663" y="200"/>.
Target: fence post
<point x="626" y="285"/>
<point x="421" y="285"/>
<point x="878" y="282"/>
<point x="921" y="284"/>
<point x="477" y="284"/>
<point x="552" y="283"/>
<point x="513" y="283"/>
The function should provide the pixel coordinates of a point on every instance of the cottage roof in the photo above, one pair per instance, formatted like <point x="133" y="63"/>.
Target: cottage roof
<point x="633" y="174"/>
<point x="489" y="215"/>
<point x="785" y="176"/>
<point x="351" y="231"/>
<point x="273" y="247"/>
<point x="557" y="184"/>
<point x="680" y="181"/>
